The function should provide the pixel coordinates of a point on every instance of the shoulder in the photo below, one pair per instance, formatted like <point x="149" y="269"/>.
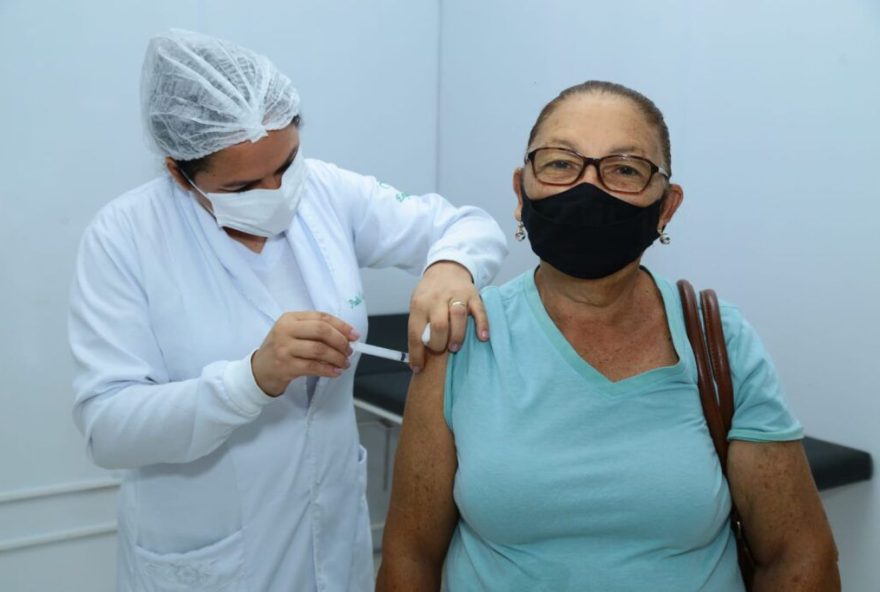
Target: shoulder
<point x="325" y="176"/>
<point x="321" y="170"/>
<point x="322" y="173"/>
<point x="732" y="320"/>
<point x="476" y="371"/>
<point x="332" y="187"/>
<point x="745" y="349"/>
<point x="135" y="221"/>
<point x="504" y="305"/>
<point x="133" y="206"/>
<point x="500" y="300"/>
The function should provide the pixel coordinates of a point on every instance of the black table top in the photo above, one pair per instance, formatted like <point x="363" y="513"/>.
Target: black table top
<point x="384" y="383"/>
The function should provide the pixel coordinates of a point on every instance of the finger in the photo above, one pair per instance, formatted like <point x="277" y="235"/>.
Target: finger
<point x="315" y="368"/>
<point x="439" y="327"/>
<point x="344" y="328"/>
<point x="318" y="351"/>
<point x="481" y="319"/>
<point x="415" y="346"/>
<point x="458" y="315"/>
<point x="316" y="330"/>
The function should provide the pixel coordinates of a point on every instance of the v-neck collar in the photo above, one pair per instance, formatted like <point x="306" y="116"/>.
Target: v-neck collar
<point x="312" y="255"/>
<point x="628" y="386"/>
<point x="268" y="257"/>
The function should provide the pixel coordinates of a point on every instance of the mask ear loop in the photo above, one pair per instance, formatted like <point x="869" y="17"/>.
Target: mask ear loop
<point x="191" y="182"/>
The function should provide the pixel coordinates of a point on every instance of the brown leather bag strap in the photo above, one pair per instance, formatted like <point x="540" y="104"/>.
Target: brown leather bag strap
<point x="716" y="394"/>
<point x="705" y="380"/>
<point x="718" y="355"/>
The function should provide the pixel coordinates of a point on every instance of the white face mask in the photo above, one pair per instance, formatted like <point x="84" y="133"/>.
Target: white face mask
<point x="261" y="212"/>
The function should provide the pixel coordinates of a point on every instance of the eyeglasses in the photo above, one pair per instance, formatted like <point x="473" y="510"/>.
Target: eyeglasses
<point x="617" y="172"/>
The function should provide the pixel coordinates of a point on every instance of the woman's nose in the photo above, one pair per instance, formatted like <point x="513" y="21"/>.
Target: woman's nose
<point x="590" y="175"/>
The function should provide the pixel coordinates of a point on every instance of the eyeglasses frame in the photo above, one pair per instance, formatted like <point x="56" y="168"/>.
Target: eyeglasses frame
<point x="586" y="161"/>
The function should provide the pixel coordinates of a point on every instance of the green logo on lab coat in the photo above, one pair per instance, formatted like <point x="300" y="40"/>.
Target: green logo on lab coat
<point x="401" y="196"/>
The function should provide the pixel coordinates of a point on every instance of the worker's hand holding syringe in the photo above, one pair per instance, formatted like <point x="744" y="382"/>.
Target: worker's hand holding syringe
<point x="302" y="344"/>
<point x="312" y="344"/>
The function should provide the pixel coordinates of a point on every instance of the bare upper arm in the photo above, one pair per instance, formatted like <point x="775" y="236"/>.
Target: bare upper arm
<point x="773" y="488"/>
<point x="422" y="514"/>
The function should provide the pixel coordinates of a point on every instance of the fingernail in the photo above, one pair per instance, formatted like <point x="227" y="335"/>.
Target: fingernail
<point x="350" y="350"/>
<point x="416" y="369"/>
<point x="484" y="334"/>
<point x="338" y="371"/>
<point x="454" y="347"/>
<point x="355" y="334"/>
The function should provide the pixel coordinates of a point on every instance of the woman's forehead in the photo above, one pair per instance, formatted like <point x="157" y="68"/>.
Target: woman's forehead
<point x="601" y="122"/>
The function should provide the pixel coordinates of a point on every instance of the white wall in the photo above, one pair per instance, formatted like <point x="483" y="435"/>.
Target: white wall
<point x="69" y="74"/>
<point x="774" y="110"/>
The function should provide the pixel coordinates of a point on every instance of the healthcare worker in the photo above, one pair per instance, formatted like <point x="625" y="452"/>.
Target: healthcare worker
<point x="212" y="313"/>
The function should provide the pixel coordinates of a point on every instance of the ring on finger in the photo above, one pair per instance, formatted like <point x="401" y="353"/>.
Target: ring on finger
<point x="457" y="303"/>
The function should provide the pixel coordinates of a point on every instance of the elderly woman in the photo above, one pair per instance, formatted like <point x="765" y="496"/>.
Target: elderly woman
<point x="571" y="452"/>
<point x="212" y="313"/>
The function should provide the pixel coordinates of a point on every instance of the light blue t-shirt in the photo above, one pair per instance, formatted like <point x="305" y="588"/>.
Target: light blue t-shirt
<point x="568" y="481"/>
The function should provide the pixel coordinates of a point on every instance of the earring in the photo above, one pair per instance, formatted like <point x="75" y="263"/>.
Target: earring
<point x="665" y="239"/>
<point x="520" y="234"/>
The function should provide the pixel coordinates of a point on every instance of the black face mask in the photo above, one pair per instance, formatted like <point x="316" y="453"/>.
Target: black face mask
<point x="588" y="233"/>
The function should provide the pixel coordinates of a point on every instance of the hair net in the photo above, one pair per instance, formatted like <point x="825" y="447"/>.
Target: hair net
<point x="200" y="95"/>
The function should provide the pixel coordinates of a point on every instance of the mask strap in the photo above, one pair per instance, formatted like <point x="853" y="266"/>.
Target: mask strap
<point x="191" y="182"/>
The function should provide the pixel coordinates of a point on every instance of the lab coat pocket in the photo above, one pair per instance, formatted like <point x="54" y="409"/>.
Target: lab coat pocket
<point x="218" y="567"/>
<point x="362" y="469"/>
<point x="362" y="571"/>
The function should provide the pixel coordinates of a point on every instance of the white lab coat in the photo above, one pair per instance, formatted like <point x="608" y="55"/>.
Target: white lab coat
<point x="225" y="488"/>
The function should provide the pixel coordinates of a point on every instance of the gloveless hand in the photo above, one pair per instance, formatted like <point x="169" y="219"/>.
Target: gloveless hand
<point x="444" y="297"/>
<point x="302" y="344"/>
